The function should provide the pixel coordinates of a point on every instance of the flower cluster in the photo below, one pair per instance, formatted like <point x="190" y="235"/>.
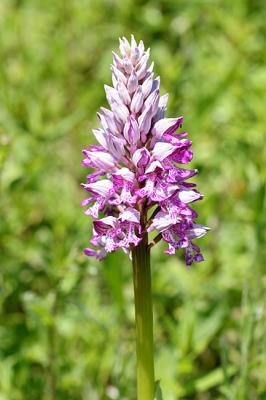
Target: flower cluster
<point x="137" y="185"/>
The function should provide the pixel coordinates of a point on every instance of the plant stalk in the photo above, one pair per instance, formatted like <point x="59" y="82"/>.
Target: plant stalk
<point x="144" y="320"/>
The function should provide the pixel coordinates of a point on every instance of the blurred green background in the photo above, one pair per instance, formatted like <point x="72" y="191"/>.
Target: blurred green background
<point x="67" y="322"/>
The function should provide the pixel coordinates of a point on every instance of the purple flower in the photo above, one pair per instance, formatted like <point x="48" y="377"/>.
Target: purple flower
<point x="137" y="184"/>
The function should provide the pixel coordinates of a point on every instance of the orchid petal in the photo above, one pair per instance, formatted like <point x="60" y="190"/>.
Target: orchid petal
<point x="163" y="150"/>
<point x="102" y="187"/>
<point x="187" y="196"/>
<point x="166" y="125"/>
<point x="131" y="131"/>
<point x="131" y="215"/>
<point x="141" y="157"/>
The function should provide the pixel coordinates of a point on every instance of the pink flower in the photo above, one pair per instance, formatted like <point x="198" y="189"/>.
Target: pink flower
<point x="136" y="166"/>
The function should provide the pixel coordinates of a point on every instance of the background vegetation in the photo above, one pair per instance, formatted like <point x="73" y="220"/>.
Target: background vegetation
<point x="67" y="322"/>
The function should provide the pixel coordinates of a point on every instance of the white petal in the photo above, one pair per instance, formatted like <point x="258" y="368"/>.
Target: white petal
<point x="197" y="231"/>
<point x="126" y="174"/>
<point x="163" y="150"/>
<point x="131" y="215"/>
<point x="187" y="196"/>
<point x="100" y="187"/>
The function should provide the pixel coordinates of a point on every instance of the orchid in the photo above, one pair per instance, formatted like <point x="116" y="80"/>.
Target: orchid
<point x="139" y="187"/>
<point x="136" y="165"/>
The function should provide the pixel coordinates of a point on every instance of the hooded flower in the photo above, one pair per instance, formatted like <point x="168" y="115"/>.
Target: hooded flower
<point x="137" y="183"/>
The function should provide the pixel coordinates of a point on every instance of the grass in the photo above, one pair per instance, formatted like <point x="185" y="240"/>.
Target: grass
<point x="67" y="323"/>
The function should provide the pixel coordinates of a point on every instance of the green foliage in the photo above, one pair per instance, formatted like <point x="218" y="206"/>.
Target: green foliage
<point x="158" y="391"/>
<point x="67" y="323"/>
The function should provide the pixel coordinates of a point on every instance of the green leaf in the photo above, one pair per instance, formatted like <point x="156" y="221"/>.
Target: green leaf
<point x="209" y="381"/>
<point x="158" y="391"/>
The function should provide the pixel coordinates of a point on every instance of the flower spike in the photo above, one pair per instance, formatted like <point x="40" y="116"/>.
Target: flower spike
<point x="137" y="165"/>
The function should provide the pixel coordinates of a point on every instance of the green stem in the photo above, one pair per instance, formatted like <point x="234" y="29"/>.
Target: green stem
<point x="144" y="320"/>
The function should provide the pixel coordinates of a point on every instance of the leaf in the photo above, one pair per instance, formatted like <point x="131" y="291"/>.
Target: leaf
<point x="209" y="381"/>
<point x="207" y="327"/>
<point x="158" y="391"/>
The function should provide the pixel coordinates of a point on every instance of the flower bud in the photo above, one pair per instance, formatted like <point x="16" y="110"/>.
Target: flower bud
<point x="123" y="93"/>
<point x="132" y="82"/>
<point x="131" y="131"/>
<point x="137" y="101"/>
<point x="128" y="67"/>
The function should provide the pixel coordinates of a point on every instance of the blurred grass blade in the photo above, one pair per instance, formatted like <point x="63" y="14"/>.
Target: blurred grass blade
<point x="158" y="391"/>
